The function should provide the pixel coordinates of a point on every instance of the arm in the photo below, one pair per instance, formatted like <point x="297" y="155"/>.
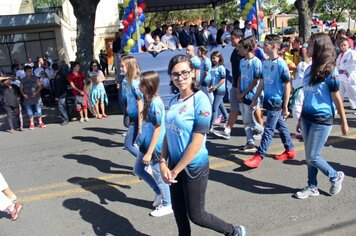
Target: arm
<point x="221" y="82"/>
<point x="147" y="158"/>
<point x="39" y="88"/>
<point x="150" y="48"/>
<point x="165" y="172"/>
<point x="287" y="90"/>
<point x="249" y="88"/>
<point x="140" y="108"/>
<point x="340" y="108"/>
<point x="257" y="95"/>
<point x="197" y="73"/>
<point x="23" y="92"/>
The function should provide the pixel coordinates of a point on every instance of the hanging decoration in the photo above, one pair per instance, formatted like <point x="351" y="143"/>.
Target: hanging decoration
<point x="130" y="37"/>
<point x="248" y="12"/>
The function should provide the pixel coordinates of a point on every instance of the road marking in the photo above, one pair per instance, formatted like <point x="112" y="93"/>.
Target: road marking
<point x="132" y="181"/>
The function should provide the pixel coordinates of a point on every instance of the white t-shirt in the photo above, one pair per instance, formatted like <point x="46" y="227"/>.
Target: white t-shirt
<point x="248" y="32"/>
<point x="148" y="40"/>
<point x="213" y="31"/>
<point x="299" y="76"/>
<point x="20" y="74"/>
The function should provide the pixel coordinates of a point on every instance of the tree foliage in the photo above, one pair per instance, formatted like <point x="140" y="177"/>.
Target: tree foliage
<point x="271" y="7"/>
<point x="335" y="9"/>
<point x="47" y="3"/>
<point x="230" y="11"/>
<point x="293" y="21"/>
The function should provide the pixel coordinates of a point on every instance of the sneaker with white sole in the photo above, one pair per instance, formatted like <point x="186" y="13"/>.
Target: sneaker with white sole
<point x="162" y="211"/>
<point x="335" y="187"/>
<point x="239" y="230"/>
<point x="222" y="134"/>
<point x="157" y="201"/>
<point x="307" y="192"/>
<point x="81" y="120"/>
<point x="250" y="147"/>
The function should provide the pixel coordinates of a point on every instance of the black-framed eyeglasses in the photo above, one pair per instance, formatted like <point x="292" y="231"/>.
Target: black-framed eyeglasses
<point x="184" y="74"/>
<point x="95" y="65"/>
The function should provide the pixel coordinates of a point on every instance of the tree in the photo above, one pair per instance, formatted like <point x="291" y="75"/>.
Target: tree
<point x="293" y="21"/>
<point x="335" y="9"/>
<point x="228" y="11"/>
<point x="84" y="11"/>
<point x="305" y="11"/>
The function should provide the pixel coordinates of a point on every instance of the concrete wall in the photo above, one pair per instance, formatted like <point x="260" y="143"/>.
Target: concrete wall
<point x="15" y="7"/>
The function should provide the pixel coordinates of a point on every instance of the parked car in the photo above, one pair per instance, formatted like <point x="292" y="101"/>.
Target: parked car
<point x="288" y="31"/>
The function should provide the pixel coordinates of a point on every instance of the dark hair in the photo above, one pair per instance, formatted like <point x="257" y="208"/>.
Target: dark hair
<point x="55" y="66"/>
<point x="299" y="40"/>
<point x="237" y="33"/>
<point x="74" y="64"/>
<point x="172" y="63"/>
<point x="150" y="81"/>
<point x="27" y="68"/>
<point x="91" y="65"/>
<point x="203" y="49"/>
<point x="273" y="39"/>
<point x="219" y="55"/>
<point x="147" y="30"/>
<point x="323" y="57"/>
<point x="248" y="43"/>
<point x="344" y="40"/>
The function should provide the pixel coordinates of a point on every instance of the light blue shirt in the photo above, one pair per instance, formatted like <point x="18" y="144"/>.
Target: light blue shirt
<point x="205" y="66"/>
<point x="274" y="74"/>
<point x="184" y="118"/>
<point x="196" y="65"/>
<point x="251" y="69"/>
<point x="218" y="73"/>
<point x="133" y="95"/>
<point x="156" y="116"/>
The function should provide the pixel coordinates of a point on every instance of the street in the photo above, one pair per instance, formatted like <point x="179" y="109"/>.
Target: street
<point x="77" y="180"/>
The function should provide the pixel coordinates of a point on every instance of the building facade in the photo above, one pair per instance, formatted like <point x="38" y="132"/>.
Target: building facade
<point x="29" y="32"/>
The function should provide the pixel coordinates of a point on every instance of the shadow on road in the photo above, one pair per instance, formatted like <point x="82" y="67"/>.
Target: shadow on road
<point x="104" y="166"/>
<point x="98" y="141"/>
<point x="106" y="192"/>
<point x="249" y="185"/>
<point x="106" y="130"/>
<point x="104" y="222"/>
<point x="341" y="142"/>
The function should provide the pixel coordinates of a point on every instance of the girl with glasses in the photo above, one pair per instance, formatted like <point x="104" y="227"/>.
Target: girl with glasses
<point x="184" y="163"/>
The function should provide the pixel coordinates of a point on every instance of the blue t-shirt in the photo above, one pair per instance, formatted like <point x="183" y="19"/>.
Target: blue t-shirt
<point x="274" y="74"/>
<point x="133" y="95"/>
<point x="318" y="105"/>
<point x="217" y="74"/>
<point x="205" y="66"/>
<point x="192" y="115"/>
<point x="250" y="69"/>
<point x="196" y="65"/>
<point x="156" y="115"/>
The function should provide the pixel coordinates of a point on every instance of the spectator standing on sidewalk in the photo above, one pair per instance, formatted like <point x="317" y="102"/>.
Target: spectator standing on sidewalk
<point x="321" y="92"/>
<point x="10" y="101"/>
<point x="60" y="84"/>
<point x="31" y="91"/>
<point x="76" y="80"/>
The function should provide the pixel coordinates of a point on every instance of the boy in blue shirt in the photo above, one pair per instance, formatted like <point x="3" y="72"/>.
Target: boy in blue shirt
<point x="251" y="71"/>
<point x="276" y="86"/>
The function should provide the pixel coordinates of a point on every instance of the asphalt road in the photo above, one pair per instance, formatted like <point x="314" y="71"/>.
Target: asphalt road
<point x="77" y="180"/>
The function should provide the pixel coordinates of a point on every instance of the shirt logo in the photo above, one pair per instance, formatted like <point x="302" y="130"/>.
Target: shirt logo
<point x="182" y="109"/>
<point x="345" y="61"/>
<point x="272" y="67"/>
<point x="248" y="66"/>
<point x="204" y="113"/>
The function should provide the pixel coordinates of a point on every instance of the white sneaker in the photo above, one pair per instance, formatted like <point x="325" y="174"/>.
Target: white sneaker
<point x="81" y="120"/>
<point x="162" y="211"/>
<point x="86" y="119"/>
<point x="157" y="201"/>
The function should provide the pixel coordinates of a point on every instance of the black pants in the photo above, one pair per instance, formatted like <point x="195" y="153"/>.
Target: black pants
<point x="13" y="112"/>
<point x="188" y="202"/>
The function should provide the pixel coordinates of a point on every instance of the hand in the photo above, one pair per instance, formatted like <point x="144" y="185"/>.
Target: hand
<point x="147" y="159"/>
<point x="26" y="96"/>
<point x="81" y="92"/>
<point x="298" y="128"/>
<point x="33" y="95"/>
<point x="240" y="96"/>
<point x="345" y="129"/>
<point x="56" y="99"/>
<point x="139" y="132"/>
<point x="285" y="113"/>
<point x="165" y="173"/>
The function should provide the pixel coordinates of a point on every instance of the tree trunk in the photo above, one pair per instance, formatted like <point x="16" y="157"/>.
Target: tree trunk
<point x="305" y="11"/>
<point x="84" y="11"/>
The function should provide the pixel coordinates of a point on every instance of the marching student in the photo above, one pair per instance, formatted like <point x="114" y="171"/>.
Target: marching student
<point x="184" y="163"/>
<point x="275" y="84"/>
<point x="321" y="89"/>
<point x="131" y="69"/>
<point x="153" y="131"/>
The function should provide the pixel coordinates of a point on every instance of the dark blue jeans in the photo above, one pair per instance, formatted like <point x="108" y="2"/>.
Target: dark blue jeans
<point x="274" y="121"/>
<point x="218" y="104"/>
<point x="62" y="106"/>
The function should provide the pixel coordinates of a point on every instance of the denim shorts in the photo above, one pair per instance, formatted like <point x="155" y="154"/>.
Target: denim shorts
<point x="34" y="110"/>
